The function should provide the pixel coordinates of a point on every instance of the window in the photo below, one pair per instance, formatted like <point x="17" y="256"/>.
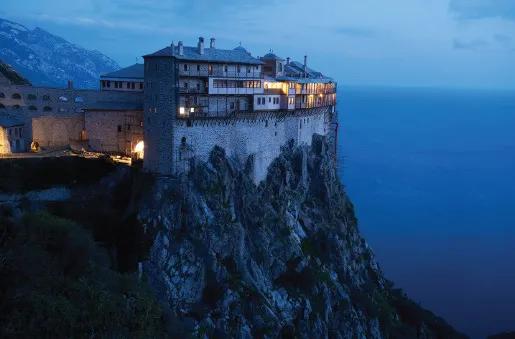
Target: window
<point x="198" y="87"/>
<point x="210" y="67"/>
<point x="133" y="84"/>
<point x="116" y="84"/>
<point x="2" y="95"/>
<point x="2" y="106"/>
<point x="109" y="84"/>
<point x="119" y="128"/>
<point x="62" y="109"/>
<point x="238" y="68"/>
<point x="186" y="85"/>
<point x="141" y="123"/>
<point x="79" y="100"/>
<point x="20" y="133"/>
<point x="198" y="67"/>
<point x="16" y="96"/>
<point x="140" y="85"/>
<point x="16" y="132"/>
<point x="63" y="99"/>
<point x="103" y="83"/>
<point x="79" y="110"/>
<point x="280" y="67"/>
<point x="32" y="97"/>
<point x="257" y="67"/>
<point x="185" y="67"/>
<point x="128" y="127"/>
<point x="128" y="85"/>
<point x="33" y="108"/>
<point x="47" y="109"/>
<point x="231" y="105"/>
<point x="270" y="99"/>
<point x="226" y="69"/>
<point x="266" y="123"/>
<point x="248" y="70"/>
<point x="10" y="131"/>
<point x="16" y="106"/>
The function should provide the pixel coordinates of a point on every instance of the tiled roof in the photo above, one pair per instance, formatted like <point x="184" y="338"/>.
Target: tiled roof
<point x="7" y="121"/>
<point x="306" y="80"/>
<point x="271" y="56"/>
<point x="114" y="106"/>
<point x="215" y="55"/>
<point x="134" y="71"/>
<point x="291" y="69"/>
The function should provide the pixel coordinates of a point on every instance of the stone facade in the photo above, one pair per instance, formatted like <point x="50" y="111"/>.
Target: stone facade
<point x="159" y="114"/>
<point x="57" y="131"/>
<point x="27" y="102"/>
<point x="113" y="132"/>
<point x="256" y="135"/>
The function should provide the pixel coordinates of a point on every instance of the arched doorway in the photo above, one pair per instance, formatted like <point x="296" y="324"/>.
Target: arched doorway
<point x="82" y="135"/>
<point x="139" y="150"/>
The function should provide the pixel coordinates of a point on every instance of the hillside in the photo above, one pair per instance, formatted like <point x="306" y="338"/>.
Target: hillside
<point x="48" y="60"/>
<point x="9" y="76"/>
<point x="225" y="258"/>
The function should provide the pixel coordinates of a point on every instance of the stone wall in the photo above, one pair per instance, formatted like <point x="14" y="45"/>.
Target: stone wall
<point x="113" y="131"/>
<point x="27" y="102"/>
<point x="56" y="131"/>
<point x="258" y="136"/>
<point x="159" y="114"/>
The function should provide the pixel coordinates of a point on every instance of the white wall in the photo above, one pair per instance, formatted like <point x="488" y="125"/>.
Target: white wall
<point x="269" y="104"/>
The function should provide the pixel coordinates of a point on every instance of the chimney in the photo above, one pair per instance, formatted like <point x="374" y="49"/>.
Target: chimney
<point x="70" y="84"/>
<point x="172" y="45"/>
<point x="287" y="60"/>
<point x="201" y="45"/>
<point x="305" y="65"/>
<point x="181" y="48"/>
<point x="212" y="43"/>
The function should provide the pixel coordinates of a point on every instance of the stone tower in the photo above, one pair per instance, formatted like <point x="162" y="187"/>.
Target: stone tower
<point x="160" y="110"/>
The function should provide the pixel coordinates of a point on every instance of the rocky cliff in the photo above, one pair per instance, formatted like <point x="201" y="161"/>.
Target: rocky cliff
<point x="283" y="259"/>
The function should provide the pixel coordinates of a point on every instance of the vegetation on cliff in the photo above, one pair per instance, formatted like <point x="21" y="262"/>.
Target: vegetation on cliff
<point x="54" y="282"/>
<point x="11" y="75"/>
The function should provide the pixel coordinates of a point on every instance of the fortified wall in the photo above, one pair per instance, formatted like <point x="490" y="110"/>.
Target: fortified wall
<point x="259" y="135"/>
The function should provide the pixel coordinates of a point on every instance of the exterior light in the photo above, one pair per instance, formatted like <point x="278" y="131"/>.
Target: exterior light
<point x="181" y="110"/>
<point x="192" y="109"/>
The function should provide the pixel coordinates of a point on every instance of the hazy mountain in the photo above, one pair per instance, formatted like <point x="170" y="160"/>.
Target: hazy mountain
<point x="48" y="60"/>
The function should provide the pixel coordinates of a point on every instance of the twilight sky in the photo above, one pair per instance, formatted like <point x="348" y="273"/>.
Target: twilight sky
<point x="440" y="43"/>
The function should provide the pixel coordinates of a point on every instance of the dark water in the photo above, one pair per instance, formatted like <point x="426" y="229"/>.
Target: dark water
<point x="432" y="176"/>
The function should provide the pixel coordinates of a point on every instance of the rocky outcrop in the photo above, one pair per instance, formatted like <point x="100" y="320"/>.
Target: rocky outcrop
<point x="282" y="259"/>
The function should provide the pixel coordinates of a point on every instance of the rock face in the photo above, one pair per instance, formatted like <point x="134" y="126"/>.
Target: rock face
<point x="283" y="259"/>
<point x="48" y="60"/>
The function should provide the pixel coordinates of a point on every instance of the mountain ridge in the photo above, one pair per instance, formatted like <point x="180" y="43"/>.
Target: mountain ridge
<point x="49" y="60"/>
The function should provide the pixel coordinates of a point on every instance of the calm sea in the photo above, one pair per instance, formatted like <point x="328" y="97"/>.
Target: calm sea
<point x="432" y="175"/>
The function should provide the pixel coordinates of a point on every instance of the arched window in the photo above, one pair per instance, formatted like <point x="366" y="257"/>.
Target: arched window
<point x="16" y="96"/>
<point x="16" y="106"/>
<point x="62" y="109"/>
<point x="2" y="95"/>
<point x="33" y="108"/>
<point x="183" y="140"/>
<point x="63" y="99"/>
<point x="79" y="110"/>
<point x="46" y="97"/>
<point x="2" y="106"/>
<point x="47" y="109"/>
<point x="32" y="97"/>
<point x="79" y="100"/>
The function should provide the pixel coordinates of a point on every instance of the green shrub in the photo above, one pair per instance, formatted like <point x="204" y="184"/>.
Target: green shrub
<point x="51" y="287"/>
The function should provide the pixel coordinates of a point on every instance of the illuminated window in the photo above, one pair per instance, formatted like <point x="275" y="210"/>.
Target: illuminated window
<point x="181" y="110"/>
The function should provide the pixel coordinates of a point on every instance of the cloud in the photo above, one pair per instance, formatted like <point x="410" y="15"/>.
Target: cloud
<point x="470" y="45"/>
<point x="480" y="9"/>
<point x="356" y="31"/>
<point x="503" y="38"/>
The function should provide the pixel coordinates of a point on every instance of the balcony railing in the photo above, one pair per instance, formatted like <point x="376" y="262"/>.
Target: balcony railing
<point x="220" y="74"/>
